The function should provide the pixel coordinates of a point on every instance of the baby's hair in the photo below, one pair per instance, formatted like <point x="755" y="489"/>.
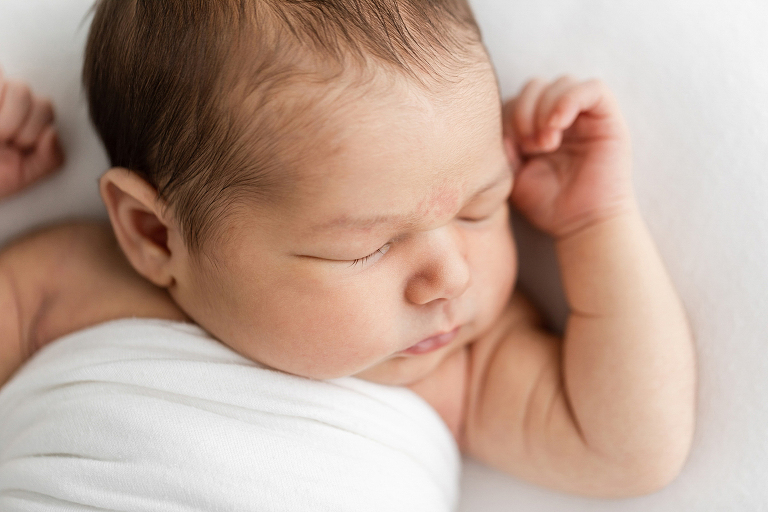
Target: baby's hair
<point x="192" y="95"/>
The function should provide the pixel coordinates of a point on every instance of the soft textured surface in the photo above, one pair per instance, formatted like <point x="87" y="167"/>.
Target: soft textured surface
<point x="692" y="78"/>
<point x="148" y="415"/>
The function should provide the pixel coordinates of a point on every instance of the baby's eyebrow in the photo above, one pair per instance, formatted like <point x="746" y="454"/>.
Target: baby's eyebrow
<point x="366" y="223"/>
<point x="363" y="223"/>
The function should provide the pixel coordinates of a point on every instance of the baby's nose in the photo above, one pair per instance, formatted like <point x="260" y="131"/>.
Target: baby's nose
<point x="443" y="272"/>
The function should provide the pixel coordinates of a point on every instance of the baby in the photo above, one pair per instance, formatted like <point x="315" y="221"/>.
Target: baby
<point x="323" y="186"/>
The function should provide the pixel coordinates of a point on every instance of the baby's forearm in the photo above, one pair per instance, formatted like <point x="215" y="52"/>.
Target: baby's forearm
<point x="628" y="359"/>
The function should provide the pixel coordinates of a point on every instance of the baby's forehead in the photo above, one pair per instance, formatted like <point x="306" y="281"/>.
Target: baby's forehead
<point x="353" y="117"/>
<point x="400" y="157"/>
<point x="340" y="144"/>
<point x="387" y="169"/>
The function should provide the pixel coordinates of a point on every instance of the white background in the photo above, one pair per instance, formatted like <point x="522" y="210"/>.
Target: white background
<point x="692" y="78"/>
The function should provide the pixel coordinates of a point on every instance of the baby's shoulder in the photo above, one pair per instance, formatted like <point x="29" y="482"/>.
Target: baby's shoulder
<point x="72" y="276"/>
<point x="518" y="318"/>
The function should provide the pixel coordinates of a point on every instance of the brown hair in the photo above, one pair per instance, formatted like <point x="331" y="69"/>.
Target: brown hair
<point x="166" y="82"/>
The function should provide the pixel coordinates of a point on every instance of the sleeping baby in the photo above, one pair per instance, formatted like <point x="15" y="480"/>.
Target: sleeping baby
<point x="313" y="201"/>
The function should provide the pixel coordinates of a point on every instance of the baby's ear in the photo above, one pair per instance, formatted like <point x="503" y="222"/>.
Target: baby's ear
<point x="140" y="222"/>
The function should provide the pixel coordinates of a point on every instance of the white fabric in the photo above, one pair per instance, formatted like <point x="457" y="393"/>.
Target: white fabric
<point x="149" y="415"/>
<point x="692" y="79"/>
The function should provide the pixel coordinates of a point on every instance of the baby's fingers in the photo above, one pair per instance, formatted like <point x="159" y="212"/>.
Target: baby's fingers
<point x="19" y="170"/>
<point x="521" y="111"/>
<point x="547" y="133"/>
<point x="45" y="158"/>
<point x="531" y="113"/>
<point x="40" y="116"/>
<point x="15" y="108"/>
<point x="591" y="98"/>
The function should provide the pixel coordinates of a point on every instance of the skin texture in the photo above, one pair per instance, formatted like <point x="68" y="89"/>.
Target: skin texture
<point x="283" y="287"/>
<point x="605" y="411"/>
<point x="29" y="144"/>
<point x="609" y="411"/>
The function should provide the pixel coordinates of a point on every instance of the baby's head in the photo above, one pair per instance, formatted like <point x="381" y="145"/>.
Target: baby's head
<point x="321" y="184"/>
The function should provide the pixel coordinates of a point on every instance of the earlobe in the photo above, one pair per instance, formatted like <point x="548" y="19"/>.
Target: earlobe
<point x="139" y="221"/>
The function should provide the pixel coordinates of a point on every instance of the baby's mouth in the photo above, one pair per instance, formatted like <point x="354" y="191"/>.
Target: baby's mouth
<point x="432" y="343"/>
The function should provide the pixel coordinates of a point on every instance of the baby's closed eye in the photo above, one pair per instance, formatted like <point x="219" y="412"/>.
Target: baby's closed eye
<point x="482" y="209"/>
<point x="373" y="257"/>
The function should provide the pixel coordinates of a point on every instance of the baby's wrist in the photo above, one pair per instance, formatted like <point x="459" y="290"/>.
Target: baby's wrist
<point x="608" y="214"/>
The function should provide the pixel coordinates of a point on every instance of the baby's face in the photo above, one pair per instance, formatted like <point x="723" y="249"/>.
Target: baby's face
<point x="393" y="251"/>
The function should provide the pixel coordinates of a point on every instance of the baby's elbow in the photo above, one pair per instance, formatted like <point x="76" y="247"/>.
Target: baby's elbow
<point x="654" y="477"/>
<point x="652" y="471"/>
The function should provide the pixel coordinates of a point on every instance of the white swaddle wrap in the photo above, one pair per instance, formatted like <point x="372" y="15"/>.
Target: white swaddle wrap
<point x="148" y="415"/>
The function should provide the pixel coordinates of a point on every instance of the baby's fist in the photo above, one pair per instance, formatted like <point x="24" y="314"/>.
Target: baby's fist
<point x="29" y="144"/>
<point x="574" y="151"/>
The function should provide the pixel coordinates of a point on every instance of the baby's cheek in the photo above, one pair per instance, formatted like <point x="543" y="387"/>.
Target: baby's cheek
<point x="507" y="266"/>
<point x="497" y="267"/>
<point x="350" y="327"/>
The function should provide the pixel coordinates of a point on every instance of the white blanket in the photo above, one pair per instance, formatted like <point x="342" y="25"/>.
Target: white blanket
<point x="692" y="80"/>
<point x="148" y="415"/>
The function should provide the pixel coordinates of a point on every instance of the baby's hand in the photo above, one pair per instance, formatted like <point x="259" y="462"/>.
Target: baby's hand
<point x="29" y="144"/>
<point x="574" y="151"/>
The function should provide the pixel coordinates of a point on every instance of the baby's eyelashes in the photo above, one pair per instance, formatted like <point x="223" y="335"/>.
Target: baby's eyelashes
<point x="477" y="218"/>
<point x="373" y="257"/>
<point x="346" y="262"/>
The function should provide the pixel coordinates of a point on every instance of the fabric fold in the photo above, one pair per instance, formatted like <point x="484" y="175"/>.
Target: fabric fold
<point x="147" y="415"/>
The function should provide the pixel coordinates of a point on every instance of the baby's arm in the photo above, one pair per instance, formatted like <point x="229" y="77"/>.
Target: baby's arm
<point x="29" y="145"/>
<point x="64" y="279"/>
<point x="609" y="410"/>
